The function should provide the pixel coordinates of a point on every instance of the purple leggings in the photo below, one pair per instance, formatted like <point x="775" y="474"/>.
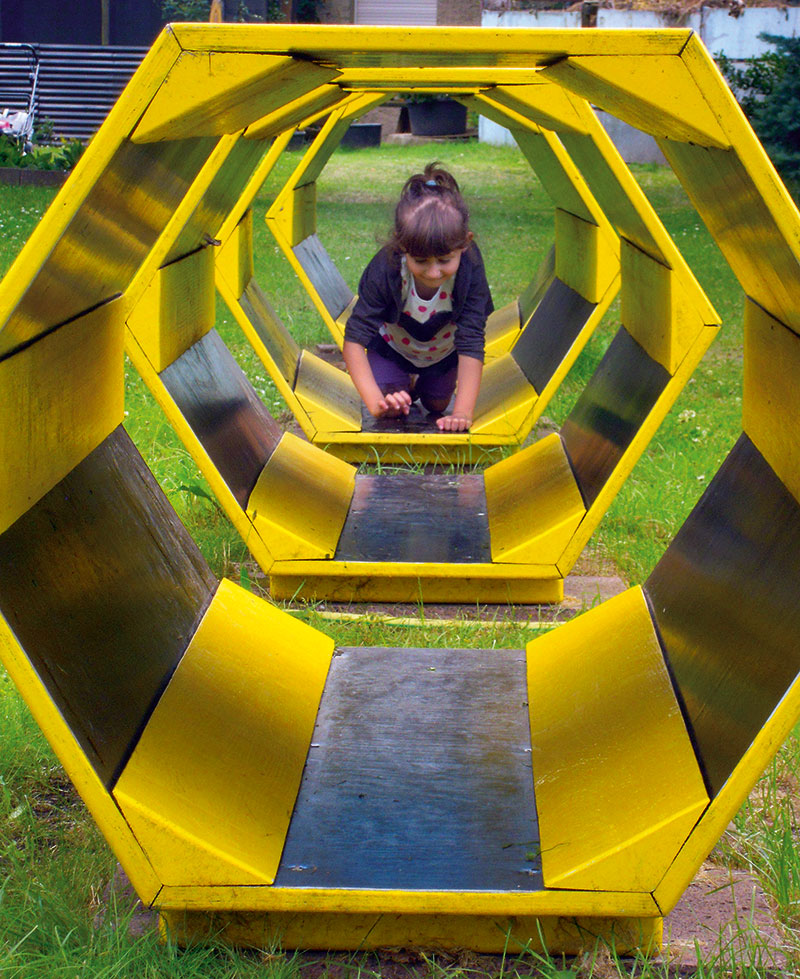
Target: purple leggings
<point x="434" y="383"/>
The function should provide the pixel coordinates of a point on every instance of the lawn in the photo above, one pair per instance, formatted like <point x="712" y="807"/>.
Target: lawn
<point x="54" y="863"/>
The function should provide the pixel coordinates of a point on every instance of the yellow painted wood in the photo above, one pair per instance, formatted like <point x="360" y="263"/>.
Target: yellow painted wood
<point x="655" y="94"/>
<point x="502" y="330"/>
<point x="371" y="582"/>
<point x="729" y="799"/>
<point x="163" y="252"/>
<point x="479" y="933"/>
<point x="771" y="401"/>
<point x="533" y="503"/>
<point x="593" y="743"/>
<point x="545" y="104"/>
<point x="257" y="180"/>
<point x="105" y="813"/>
<point x="234" y="258"/>
<point x="561" y="180"/>
<point x="176" y="309"/>
<point x="300" y="500"/>
<point x="71" y="198"/>
<point x="636" y="447"/>
<point x="211" y="784"/>
<point x="341" y="322"/>
<point x="506" y="399"/>
<point x="351" y="46"/>
<point x="61" y="397"/>
<point x="403" y="78"/>
<point x="330" y="135"/>
<point x="293" y="216"/>
<point x="328" y="396"/>
<point x="361" y="901"/>
<point x="656" y="309"/>
<point x="213" y="93"/>
<point x="586" y="259"/>
<point x="295" y="112"/>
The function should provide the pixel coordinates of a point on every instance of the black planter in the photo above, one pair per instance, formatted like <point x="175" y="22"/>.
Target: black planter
<point x="437" y="117"/>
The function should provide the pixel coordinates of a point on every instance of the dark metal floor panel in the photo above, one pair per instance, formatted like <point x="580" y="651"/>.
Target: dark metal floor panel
<point x="724" y="597"/>
<point x="418" y="776"/>
<point x="418" y="518"/>
<point x="104" y="588"/>
<point x="417" y="420"/>
<point x="551" y="332"/>
<point x="610" y="411"/>
<point x="224" y="412"/>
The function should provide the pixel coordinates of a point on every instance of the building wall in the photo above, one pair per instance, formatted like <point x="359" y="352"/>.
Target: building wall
<point x="720" y="31"/>
<point x="448" y="12"/>
<point x="130" y="22"/>
<point x="337" y="11"/>
<point x="459" y="13"/>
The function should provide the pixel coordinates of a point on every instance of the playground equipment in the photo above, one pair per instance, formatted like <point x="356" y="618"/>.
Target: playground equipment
<point x="220" y="744"/>
<point x="545" y="328"/>
<point x="308" y="518"/>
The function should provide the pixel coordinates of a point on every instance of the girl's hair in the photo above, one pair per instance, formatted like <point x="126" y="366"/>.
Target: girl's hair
<point x="431" y="217"/>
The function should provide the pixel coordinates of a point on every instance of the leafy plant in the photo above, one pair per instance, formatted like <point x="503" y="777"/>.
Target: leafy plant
<point x="768" y="90"/>
<point x="199" y="10"/>
<point x="63" y="156"/>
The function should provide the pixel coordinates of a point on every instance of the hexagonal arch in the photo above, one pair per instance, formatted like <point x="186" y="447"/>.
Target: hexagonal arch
<point x="558" y="489"/>
<point x="219" y="743"/>
<point x="157" y="198"/>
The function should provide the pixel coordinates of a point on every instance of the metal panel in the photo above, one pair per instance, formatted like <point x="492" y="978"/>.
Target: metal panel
<point x="417" y="420"/>
<point x="724" y="597"/>
<point x="221" y="196"/>
<point x="419" y="517"/>
<point x="325" y="277"/>
<point x="415" y="13"/>
<point x="223" y="410"/>
<point x="418" y="775"/>
<point x="109" y="237"/>
<point x="553" y="328"/>
<point x="280" y="345"/>
<point x="78" y="84"/>
<point x="610" y="411"/>
<point x="103" y="587"/>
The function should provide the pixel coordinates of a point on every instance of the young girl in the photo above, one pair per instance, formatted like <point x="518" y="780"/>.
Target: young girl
<point x="421" y="310"/>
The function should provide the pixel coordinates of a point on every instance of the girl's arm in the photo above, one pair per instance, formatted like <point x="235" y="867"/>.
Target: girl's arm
<point x="470" y="370"/>
<point x="355" y="358"/>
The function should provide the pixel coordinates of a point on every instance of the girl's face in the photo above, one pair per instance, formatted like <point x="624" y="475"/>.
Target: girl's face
<point x="432" y="270"/>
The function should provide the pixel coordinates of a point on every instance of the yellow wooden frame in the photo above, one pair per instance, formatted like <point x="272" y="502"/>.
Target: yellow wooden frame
<point x="616" y="892"/>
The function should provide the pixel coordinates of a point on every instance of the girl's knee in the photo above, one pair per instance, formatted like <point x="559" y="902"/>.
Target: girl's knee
<point x="435" y="405"/>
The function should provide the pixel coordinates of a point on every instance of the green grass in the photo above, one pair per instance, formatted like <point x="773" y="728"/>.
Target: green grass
<point x="53" y="863"/>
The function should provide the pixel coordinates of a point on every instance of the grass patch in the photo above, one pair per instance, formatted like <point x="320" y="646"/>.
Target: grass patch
<point x="54" y="863"/>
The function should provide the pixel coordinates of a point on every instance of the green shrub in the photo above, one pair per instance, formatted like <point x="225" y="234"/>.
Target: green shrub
<point x="768" y="90"/>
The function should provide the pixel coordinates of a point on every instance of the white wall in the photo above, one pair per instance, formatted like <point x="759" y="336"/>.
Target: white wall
<point x="737" y="37"/>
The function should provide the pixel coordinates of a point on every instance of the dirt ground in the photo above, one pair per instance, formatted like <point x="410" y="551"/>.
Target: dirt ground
<point x="721" y="918"/>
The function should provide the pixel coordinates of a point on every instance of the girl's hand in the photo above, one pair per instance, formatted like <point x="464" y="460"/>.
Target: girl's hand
<point x="391" y="405"/>
<point x="454" y="423"/>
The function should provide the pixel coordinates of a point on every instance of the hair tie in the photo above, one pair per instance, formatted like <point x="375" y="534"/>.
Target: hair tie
<point x="431" y="183"/>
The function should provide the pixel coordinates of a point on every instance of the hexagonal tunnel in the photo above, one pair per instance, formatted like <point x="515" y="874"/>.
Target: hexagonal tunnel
<point x="306" y="517"/>
<point x="219" y="743"/>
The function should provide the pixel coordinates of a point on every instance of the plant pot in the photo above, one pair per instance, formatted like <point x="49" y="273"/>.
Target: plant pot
<point x="437" y="117"/>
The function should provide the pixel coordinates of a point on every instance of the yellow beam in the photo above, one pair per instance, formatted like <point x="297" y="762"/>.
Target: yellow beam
<point x="211" y="784"/>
